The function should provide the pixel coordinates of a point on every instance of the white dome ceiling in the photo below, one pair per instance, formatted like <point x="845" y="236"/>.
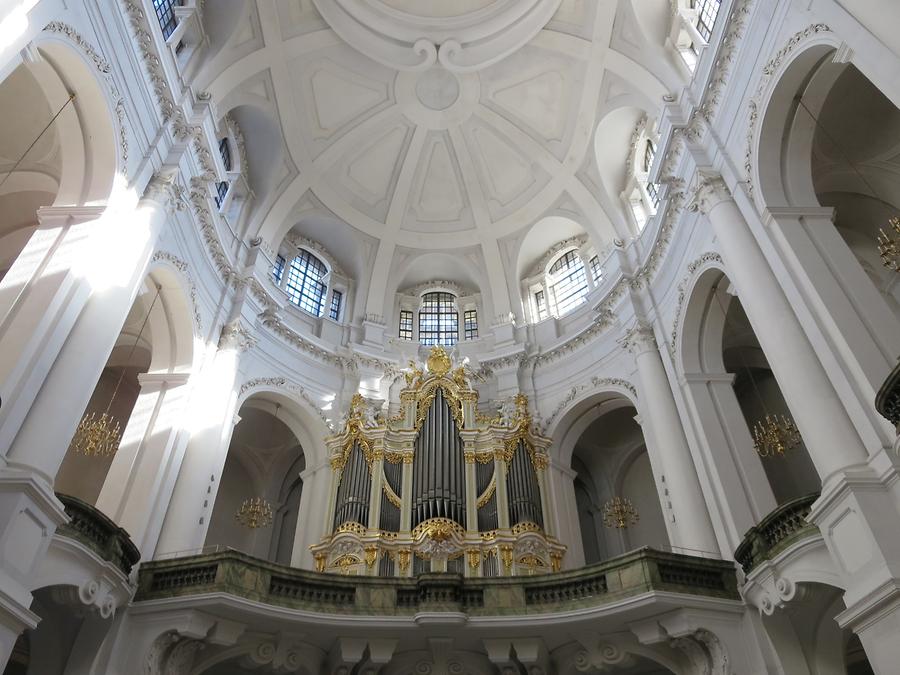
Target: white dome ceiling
<point x="446" y="156"/>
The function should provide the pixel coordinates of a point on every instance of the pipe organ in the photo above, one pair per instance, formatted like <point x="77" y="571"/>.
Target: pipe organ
<point x="439" y="487"/>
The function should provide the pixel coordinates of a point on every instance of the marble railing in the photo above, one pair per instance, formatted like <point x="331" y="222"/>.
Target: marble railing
<point x="774" y="533"/>
<point x="634" y="573"/>
<point x="92" y="528"/>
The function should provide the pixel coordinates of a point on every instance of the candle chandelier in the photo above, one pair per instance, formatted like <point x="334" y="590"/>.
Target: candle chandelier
<point x="100" y="435"/>
<point x="254" y="513"/>
<point x="620" y="513"/>
<point x="773" y="436"/>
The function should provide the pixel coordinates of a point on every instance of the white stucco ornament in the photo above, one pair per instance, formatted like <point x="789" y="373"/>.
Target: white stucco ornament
<point x="463" y="36"/>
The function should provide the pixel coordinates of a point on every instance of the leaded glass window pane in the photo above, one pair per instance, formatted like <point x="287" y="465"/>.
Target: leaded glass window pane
<point x="707" y="11"/>
<point x="570" y="284"/>
<point x="225" y="151"/>
<point x="278" y="269"/>
<point x="470" y="324"/>
<point x="541" y="305"/>
<point x="165" y="13"/>
<point x="438" y="320"/>
<point x="406" y="325"/>
<point x="335" y="311"/>
<point x="596" y="270"/>
<point x="305" y="285"/>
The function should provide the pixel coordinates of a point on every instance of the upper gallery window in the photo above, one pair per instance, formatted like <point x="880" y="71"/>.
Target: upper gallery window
<point x="222" y="186"/>
<point x="567" y="283"/>
<point x="336" y="299"/>
<point x="406" y="325"/>
<point x="707" y="11"/>
<point x="438" y="319"/>
<point x="470" y="324"/>
<point x="306" y="282"/>
<point x="165" y="12"/>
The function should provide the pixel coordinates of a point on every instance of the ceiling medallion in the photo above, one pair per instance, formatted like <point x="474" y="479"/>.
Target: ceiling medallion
<point x="462" y="36"/>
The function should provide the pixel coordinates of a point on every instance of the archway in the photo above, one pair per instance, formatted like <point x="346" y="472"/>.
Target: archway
<point x="605" y="447"/>
<point x="265" y="461"/>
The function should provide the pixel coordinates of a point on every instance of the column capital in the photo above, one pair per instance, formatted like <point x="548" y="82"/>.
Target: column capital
<point x="638" y="340"/>
<point x="165" y="189"/>
<point x="235" y="336"/>
<point x="709" y="192"/>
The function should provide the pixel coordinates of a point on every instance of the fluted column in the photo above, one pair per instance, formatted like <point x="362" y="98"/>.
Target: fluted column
<point x="827" y="431"/>
<point x="376" y="488"/>
<point x="692" y="527"/>
<point x="471" y="492"/>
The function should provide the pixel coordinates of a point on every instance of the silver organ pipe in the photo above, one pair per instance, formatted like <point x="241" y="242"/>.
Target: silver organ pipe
<point x="522" y="487"/>
<point x="438" y="467"/>
<point x="353" y="490"/>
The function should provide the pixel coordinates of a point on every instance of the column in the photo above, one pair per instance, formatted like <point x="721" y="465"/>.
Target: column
<point x="376" y="487"/>
<point x="143" y="471"/>
<point x="668" y="446"/>
<point x="314" y="502"/>
<point x="820" y="416"/>
<point x="115" y="273"/>
<point x="75" y="299"/>
<point x="211" y="417"/>
<point x="857" y="512"/>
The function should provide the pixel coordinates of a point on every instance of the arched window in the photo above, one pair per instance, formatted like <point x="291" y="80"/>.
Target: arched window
<point x="165" y="13"/>
<point x="707" y="11"/>
<point x="306" y="282"/>
<point x="438" y="319"/>
<point x="567" y="283"/>
<point x="222" y="186"/>
<point x="652" y="188"/>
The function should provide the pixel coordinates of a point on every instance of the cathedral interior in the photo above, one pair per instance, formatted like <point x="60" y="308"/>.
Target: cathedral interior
<point x="432" y="337"/>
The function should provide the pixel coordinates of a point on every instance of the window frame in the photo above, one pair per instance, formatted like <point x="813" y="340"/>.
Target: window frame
<point x="334" y="309"/>
<point x="707" y="14"/>
<point x="405" y="325"/>
<point x="307" y="291"/>
<point x="165" y="15"/>
<point x="444" y="328"/>
<point x="470" y="328"/>
<point x="571" y="275"/>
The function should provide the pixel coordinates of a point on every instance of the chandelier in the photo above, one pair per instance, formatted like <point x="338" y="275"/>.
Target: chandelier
<point x="255" y="512"/>
<point x="773" y="436"/>
<point x="889" y="245"/>
<point x="620" y="513"/>
<point x="99" y="435"/>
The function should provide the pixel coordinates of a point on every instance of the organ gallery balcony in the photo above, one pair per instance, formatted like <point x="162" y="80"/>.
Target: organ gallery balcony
<point x="611" y="583"/>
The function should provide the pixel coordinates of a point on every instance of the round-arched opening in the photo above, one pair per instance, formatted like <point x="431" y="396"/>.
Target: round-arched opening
<point x="258" y="499"/>
<point x="610" y="461"/>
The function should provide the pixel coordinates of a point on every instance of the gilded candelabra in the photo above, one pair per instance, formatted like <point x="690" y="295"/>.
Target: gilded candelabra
<point x="620" y="513"/>
<point x="889" y="245"/>
<point x="773" y="436"/>
<point x="254" y="512"/>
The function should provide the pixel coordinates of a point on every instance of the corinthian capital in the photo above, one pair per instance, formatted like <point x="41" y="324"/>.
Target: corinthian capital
<point x="235" y="336"/>
<point x="165" y="189"/>
<point x="710" y="191"/>
<point x="638" y="340"/>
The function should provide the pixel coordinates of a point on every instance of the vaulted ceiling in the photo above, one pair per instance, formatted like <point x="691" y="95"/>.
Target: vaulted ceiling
<point x="393" y="129"/>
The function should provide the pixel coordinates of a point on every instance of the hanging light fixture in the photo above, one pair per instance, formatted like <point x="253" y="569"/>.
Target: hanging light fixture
<point x="889" y="245"/>
<point x="620" y="513"/>
<point x="254" y="513"/>
<point x="99" y="436"/>
<point x="773" y="435"/>
<point x="888" y="242"/>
